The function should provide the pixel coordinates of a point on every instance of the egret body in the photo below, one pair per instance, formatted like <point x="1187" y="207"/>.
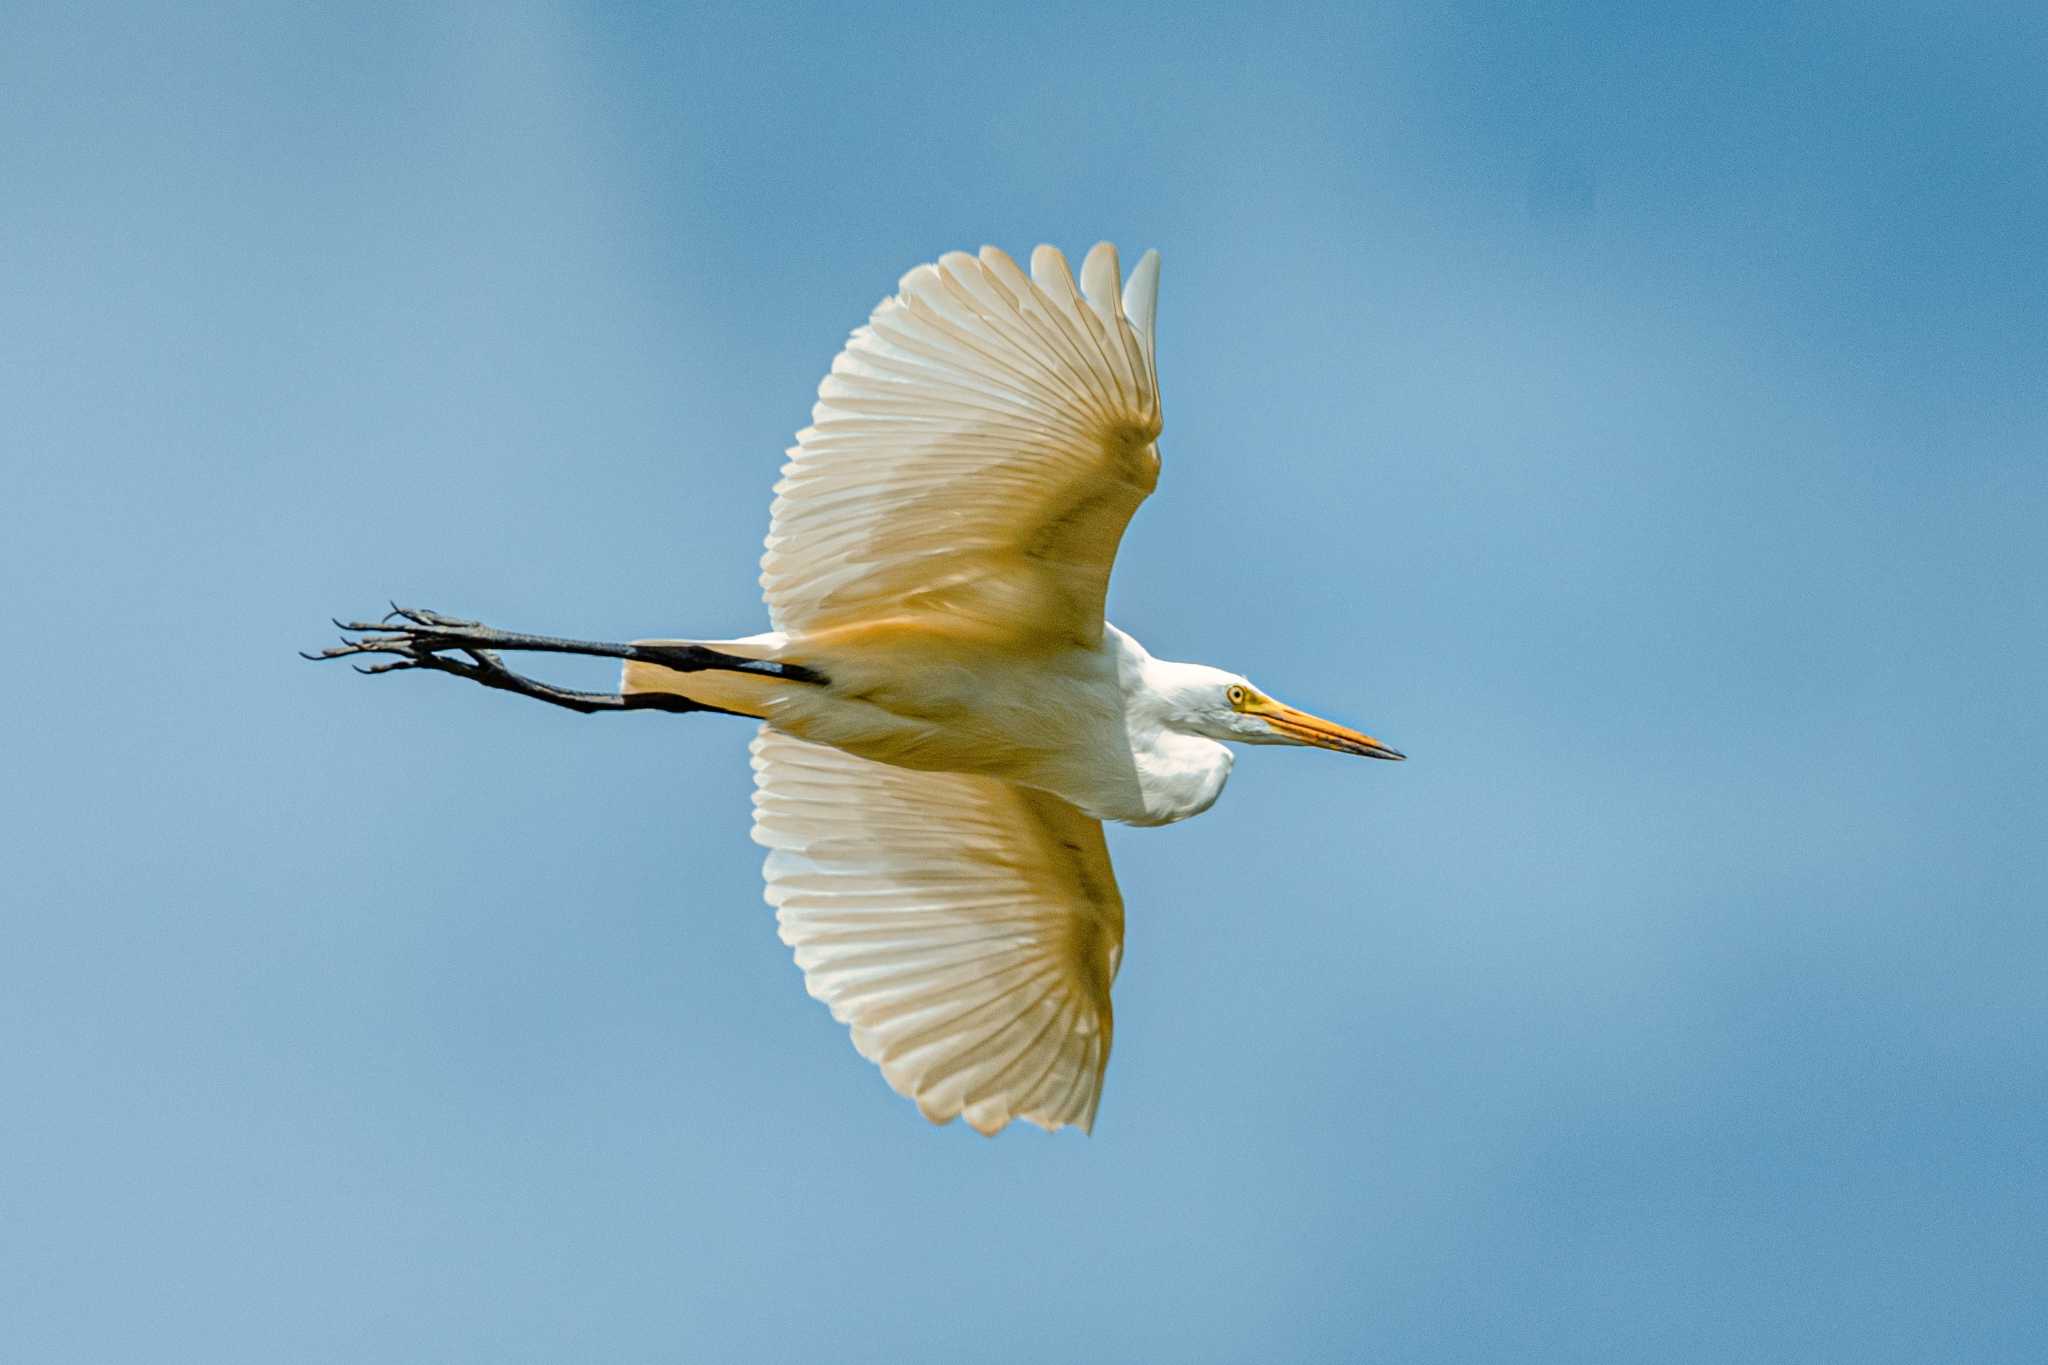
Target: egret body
<point x="947" y="718"/>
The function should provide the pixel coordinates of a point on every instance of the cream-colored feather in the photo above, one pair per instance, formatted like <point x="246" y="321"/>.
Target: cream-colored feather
<point x="974" y="456"/>
<point x="967" y="929"/>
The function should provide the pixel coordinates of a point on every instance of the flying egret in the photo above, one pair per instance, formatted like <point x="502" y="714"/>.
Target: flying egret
<point x="947" y="719"/>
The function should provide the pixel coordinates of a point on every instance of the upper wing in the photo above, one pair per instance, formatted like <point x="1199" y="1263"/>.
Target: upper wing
<point x="975" y="454"/>
<point x="966" y="928"/>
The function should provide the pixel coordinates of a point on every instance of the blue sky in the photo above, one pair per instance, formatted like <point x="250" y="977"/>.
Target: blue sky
<point x="1636" y="415"/>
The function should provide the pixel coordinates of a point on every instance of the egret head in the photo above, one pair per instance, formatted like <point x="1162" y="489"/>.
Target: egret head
<point x="1225" y="706"/>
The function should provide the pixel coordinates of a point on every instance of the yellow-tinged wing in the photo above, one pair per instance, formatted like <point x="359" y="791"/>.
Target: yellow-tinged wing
<point x="967" y="929"/>
<point x="975" y="454"/>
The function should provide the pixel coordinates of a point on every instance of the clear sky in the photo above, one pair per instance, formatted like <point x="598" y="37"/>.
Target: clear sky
<point x="1637" y="416"/>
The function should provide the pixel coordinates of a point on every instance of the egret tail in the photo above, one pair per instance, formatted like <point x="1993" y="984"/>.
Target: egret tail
<point x="721" y="689"/>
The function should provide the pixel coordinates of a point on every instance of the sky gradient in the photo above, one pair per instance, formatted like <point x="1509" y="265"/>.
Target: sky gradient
<point x="1637" y="416"/>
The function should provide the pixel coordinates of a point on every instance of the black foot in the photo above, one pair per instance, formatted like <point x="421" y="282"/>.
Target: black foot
<point x="416" y="639"/>
<point x="411" y="638"/>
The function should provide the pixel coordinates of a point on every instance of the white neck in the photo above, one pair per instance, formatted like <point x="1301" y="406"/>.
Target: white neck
<point x="1181" y="771"/>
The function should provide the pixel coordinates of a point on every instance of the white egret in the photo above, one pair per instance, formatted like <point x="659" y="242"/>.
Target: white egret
<point x="947" y="717"/>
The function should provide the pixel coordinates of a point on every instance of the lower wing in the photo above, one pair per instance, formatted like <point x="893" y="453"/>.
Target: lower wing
<point x="965" y="928"/>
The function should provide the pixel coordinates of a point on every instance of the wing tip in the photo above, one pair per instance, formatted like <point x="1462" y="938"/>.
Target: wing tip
<point x="1141" y="297"/>
<point x="1102" y="280"/>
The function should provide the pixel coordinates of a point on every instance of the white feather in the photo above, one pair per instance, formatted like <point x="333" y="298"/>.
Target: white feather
<point x="967" y="930"/>
<point x="974" y="455"/>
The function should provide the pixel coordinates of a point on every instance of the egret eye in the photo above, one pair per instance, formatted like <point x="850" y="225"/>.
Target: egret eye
<point x="1236" y="694"/>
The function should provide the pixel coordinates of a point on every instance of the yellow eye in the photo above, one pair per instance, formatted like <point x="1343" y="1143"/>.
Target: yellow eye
<point x="1237" y="695"/>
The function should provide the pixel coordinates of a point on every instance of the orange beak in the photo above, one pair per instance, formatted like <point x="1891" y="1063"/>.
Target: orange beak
<point x="1303" y="728"/>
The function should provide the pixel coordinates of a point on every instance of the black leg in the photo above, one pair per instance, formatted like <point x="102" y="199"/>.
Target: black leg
<point x="424" y="639"/>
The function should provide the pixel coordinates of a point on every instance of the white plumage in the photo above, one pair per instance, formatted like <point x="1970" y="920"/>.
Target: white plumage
<point x="939" y="548"/>
<point x="966" y="928"/>
<point x="974" y="455"/>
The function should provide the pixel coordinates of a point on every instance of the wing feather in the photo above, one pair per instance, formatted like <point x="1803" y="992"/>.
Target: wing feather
<point x="967" y="930"/>
<point x="975" y="453"/>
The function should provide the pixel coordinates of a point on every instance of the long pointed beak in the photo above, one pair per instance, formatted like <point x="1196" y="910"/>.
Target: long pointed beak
<point x="1303" y="728"/>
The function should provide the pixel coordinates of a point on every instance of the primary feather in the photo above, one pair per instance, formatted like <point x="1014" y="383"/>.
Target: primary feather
<point x="974" y="454"/>
<point x="965" y="928"/>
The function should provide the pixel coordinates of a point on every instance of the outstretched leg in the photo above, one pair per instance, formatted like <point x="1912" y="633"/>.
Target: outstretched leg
<point x="424" y="639"/>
